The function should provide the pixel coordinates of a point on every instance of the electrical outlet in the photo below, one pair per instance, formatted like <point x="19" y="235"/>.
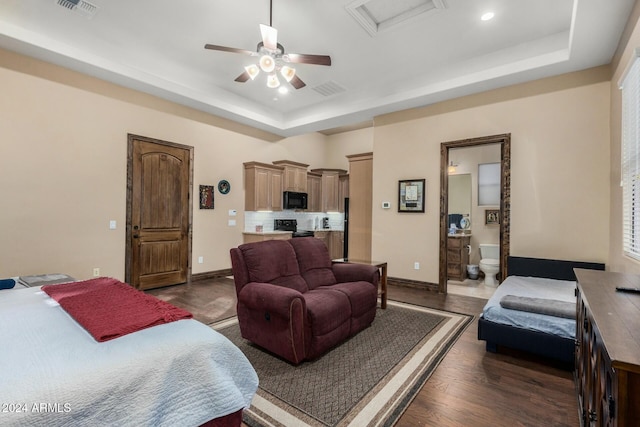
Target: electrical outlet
<point x="200" y="260"/>
<point x="96" y="272"/>
<point x="416" y="266"/>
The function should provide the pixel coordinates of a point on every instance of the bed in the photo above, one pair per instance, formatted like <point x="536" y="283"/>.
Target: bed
<point x="541" y="334"/>
<point x="53" y="372"/>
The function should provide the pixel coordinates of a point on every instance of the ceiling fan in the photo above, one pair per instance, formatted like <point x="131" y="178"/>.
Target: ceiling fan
<point x="273" y="58"/>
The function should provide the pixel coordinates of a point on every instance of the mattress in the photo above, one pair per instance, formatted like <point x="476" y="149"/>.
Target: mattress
<point x="53" y="373"/>
<point x="533" y="287"/>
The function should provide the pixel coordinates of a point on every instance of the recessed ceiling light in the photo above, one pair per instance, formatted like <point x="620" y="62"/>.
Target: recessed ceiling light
<point x="487" y="16"/>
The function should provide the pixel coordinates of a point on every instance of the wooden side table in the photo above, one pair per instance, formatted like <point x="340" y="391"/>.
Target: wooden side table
<point x="383" y="276"/>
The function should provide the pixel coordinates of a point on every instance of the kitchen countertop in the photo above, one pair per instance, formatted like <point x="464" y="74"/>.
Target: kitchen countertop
<point x="263" y="233"/>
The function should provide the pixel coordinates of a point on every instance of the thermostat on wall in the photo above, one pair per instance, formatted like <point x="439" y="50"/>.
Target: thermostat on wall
<point x="386" y="205"/>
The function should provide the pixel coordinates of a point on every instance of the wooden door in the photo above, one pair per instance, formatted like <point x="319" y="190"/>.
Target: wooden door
<point x="159" y="213"/>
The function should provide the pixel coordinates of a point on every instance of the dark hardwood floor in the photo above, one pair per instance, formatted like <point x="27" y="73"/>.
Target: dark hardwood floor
<point x="470" y="387"/>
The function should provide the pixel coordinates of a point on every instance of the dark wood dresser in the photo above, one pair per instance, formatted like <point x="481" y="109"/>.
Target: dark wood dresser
<point x="607" y="369"/>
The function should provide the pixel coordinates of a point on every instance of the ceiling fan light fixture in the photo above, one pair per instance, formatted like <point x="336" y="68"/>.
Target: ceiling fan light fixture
<point x="272" y="81"/>
<point x="253" y="70"/>
<point x="267" y="64"/>
<point x="287" y="72"/>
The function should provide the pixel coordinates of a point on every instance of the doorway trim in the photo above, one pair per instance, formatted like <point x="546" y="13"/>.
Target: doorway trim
<point x="129" y="211"/>
<point x="505" y="198"/>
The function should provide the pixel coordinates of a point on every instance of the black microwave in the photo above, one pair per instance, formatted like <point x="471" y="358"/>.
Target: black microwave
<point x="293" y="200"/>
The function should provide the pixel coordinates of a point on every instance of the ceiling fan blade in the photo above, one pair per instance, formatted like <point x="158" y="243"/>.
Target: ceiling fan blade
<point x="299" y="58"/>
<point x="297" y="83"/>
<point x="269" y="36"/>
<point x="242" y="77"/>
<point x="229" y="49"/>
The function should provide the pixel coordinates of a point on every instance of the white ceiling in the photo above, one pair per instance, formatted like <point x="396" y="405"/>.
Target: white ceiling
<point x="157" y="46"/>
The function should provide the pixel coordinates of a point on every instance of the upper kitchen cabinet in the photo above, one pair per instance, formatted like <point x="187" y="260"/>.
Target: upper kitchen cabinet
<point x="263" y="187"/>
<point x="330" y="188"/>
<point x="295" y="175"/>
<point x="343" y="191"/>
<point x="314" y="191"/>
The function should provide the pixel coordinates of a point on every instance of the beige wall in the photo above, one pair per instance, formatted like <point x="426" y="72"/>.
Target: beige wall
<point x="626" y="51"/>
<point x="63" y="169"/>
<point x="341" y="145"/>
<point x="559" y="170"/>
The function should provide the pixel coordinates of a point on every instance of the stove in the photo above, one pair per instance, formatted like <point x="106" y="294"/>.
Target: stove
<point x="291" y="225"/>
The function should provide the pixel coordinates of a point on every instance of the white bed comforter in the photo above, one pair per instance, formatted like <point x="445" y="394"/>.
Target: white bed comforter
<point x="533" y="287"/>
<point x="53" y="373"/>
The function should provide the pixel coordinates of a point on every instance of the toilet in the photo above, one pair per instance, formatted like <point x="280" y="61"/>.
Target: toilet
<point x="490" y="263"/>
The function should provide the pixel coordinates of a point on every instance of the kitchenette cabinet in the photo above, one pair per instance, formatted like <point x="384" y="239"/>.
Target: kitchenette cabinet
<point x="360" y="205"/>
<point x="314" y="192"/>
<point x="330" y="188"/>
<point x="263" y="187"/>
<point x="249" y="237"/>
<point x="295" y="175"/>
<point x="334" y="239"/>
<point x="343" y="190"/>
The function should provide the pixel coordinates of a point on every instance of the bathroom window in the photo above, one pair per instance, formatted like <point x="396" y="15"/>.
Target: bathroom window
<point x="489" y="184"/>
<point x="630" y="175"/>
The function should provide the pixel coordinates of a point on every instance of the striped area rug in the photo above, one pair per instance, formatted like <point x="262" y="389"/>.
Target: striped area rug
<point x="369" y="380"/>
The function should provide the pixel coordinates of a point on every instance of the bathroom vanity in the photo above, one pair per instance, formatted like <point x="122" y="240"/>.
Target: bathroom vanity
<point x="457" y="256"/>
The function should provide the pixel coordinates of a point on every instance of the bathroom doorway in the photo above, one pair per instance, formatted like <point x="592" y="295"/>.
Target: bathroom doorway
<point x="475" y="214"/>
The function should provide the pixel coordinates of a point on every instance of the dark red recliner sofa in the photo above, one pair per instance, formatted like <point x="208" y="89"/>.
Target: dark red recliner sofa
<point x="294" y="302"/>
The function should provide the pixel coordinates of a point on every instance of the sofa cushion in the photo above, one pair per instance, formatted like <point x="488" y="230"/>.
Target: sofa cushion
<point x="273" y="261"/>
<point x="314" y="261"/>
<point x="327" y="309"/>
<point x="362" y="296"/>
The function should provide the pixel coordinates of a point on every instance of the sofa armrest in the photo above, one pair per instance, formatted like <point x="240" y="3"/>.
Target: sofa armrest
<point x="271" y="298"/>
<point x="345" y="272"/>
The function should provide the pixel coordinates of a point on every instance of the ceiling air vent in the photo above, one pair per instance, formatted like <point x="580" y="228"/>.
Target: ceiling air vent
<point x="329" y="89"/>
<point x="83" y="7"/>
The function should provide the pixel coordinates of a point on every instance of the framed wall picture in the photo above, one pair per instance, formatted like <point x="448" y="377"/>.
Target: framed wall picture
<point x="411" y="195"/>
<point x="492" y="216"/>
<point x="206" y="197"/>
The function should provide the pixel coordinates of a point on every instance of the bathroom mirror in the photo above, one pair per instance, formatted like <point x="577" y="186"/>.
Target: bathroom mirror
<point x="446" y="149"/>
<point x="459" y="200"/>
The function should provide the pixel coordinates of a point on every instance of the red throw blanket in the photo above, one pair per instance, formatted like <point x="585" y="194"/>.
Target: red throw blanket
<point x="108" y="308"/>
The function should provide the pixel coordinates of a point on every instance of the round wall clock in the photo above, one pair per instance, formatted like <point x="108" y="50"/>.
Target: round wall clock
<point x="223" y="186"/>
